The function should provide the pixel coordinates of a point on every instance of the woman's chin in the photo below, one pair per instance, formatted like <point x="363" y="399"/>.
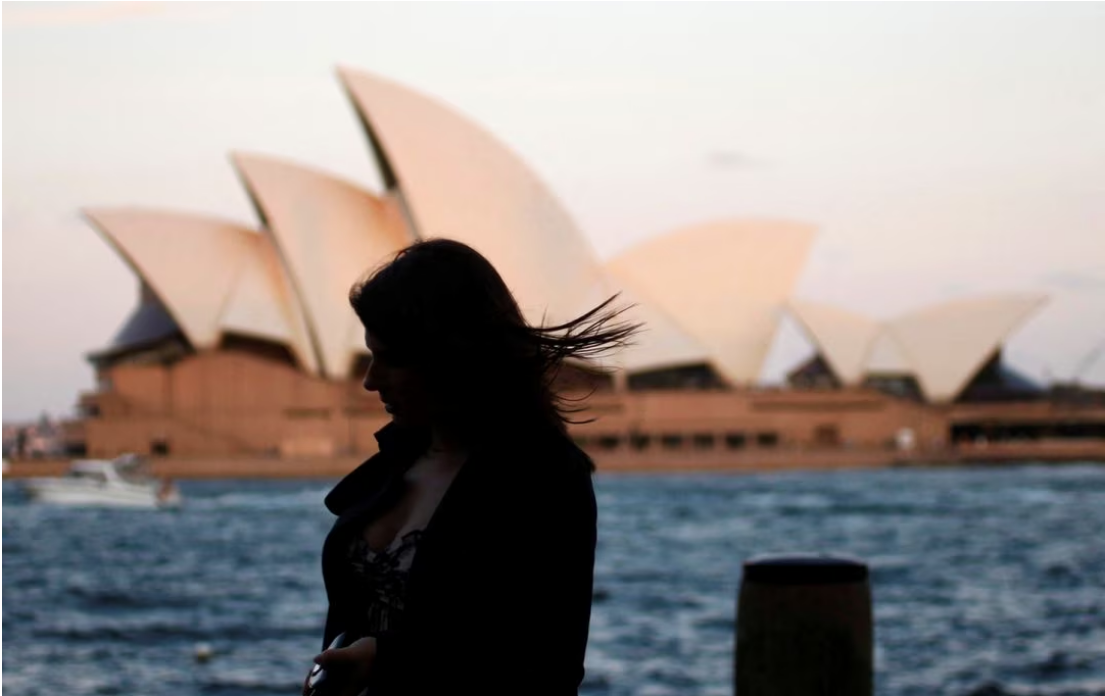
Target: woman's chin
<point x="407" y="420"/>
<point x="399" y="417"/>
<point x="396" y="414"/>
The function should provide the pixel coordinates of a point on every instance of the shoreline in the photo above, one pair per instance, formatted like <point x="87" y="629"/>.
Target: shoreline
<point x="752" y="461"/>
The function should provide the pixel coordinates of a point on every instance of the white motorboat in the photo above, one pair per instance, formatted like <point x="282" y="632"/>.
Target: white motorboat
<point x="121" y="482"/>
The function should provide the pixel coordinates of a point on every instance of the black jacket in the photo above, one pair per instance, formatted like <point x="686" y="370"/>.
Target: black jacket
<point x="499" y="592"/>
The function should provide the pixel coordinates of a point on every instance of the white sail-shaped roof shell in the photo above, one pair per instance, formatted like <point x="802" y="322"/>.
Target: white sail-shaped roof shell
<point x="947" y="344"/>
<point x="886" y="356"/>
<point x="661" y="343"/>
<point x="459" y="182"/>
<point x="329" y="232"/>
<point x="262" y="303"/>
<point x="211" y="276"/>
<point x="844" y="338"/>
<point x="722" y="283"/>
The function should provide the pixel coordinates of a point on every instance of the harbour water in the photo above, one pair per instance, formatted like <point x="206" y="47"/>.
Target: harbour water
<point x="986" y="582"/>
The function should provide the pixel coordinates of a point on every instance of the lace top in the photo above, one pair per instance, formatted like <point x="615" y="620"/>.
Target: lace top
<point x="383" y="575"/>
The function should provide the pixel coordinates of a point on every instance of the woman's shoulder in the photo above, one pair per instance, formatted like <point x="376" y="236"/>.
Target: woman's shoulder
<point x="542" y="451"/>
<point x="540" y="467"/>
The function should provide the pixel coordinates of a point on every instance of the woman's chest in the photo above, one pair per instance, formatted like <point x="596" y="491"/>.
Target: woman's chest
<point x="419" y="498"/>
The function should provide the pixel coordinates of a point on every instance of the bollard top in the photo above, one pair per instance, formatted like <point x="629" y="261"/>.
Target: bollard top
<point x="804" y="569"/>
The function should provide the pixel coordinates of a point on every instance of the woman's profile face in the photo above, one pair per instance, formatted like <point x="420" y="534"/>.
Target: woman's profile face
<point x="401" y="388"/>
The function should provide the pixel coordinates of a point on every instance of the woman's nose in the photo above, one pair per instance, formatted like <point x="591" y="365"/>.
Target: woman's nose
<point x="371" y="381"/>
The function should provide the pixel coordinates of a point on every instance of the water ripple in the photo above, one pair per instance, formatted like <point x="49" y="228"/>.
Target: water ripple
<point x="987" y="582"/>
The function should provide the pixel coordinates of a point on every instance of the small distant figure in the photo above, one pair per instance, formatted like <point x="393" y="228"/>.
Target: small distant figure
<point x="21" y="443"/>
<point x="462" y="557"/>
<point x="203" y="652"/>
<point x="905" y="439"/>
<point x="167" y="489"/>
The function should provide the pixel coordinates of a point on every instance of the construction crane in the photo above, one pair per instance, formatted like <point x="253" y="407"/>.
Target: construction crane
<point x="1085" y="363"/>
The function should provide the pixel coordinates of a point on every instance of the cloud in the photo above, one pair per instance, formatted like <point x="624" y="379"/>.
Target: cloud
<point x="731" y="159"/>
<point x="1075" y="281"/>
<point x="956" y="289"/>
<point x="76" y="13"/>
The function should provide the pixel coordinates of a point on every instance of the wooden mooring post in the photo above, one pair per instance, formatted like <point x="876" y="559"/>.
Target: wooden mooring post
<point x="804" y="627"/>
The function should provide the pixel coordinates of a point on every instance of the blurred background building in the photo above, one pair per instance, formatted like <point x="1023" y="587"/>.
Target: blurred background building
<point x="242" y="343"/>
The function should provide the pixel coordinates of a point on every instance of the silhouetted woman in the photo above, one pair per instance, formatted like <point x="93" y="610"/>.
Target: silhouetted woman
<point x="463" y="552"/>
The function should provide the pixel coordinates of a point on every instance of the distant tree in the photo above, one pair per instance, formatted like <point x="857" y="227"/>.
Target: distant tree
<point x="21" y="442"/>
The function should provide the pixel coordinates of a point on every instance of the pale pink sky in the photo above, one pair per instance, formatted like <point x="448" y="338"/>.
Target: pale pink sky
<point x="944" y="149"/>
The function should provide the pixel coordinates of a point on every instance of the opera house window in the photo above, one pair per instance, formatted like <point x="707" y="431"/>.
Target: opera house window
<point x="671" y="441"/>
<point x="735" y="440"/>
<point x="703" y="441"/>
<point x="767" y="439"/>
<point x="361" y="411"/>
<point x="608" y="441"/>
<point x="826" y="435"/>
<point x="320" y="413"/>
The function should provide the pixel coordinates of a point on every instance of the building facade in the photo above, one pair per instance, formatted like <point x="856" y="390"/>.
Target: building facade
<point x="243" y="345"/>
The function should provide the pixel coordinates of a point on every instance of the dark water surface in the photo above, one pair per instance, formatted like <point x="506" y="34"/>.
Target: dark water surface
<point x="986" y="582"/>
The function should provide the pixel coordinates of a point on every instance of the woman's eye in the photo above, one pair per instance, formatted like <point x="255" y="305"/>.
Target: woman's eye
<point x="389" y="359"/>
<point x="384" y="360"/>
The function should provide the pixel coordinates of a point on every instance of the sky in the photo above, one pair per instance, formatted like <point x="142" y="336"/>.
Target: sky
<point x="944" y="150"/>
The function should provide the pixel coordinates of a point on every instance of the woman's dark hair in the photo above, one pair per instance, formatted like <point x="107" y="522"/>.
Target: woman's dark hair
<point x="443" y="309"/>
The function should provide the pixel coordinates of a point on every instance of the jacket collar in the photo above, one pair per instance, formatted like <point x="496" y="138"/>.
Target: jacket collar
<point x="399" y="447"/>
<point x="395" y="438"/>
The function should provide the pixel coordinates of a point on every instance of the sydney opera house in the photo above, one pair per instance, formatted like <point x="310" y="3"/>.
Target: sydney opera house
<point x="242" y="344"/>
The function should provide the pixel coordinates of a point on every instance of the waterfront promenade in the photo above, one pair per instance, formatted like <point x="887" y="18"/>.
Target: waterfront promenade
<point x="755" y="460"/>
